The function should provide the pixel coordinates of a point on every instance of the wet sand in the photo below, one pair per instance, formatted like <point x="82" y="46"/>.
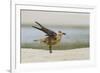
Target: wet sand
<point x="29" y="55"/>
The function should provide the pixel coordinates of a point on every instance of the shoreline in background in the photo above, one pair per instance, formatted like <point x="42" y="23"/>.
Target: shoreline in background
<point x="59" y="46"/>
<point x="58" y="26"/>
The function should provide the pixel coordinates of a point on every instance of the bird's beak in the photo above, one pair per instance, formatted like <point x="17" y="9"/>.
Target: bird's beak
<point x="64" y="33"/>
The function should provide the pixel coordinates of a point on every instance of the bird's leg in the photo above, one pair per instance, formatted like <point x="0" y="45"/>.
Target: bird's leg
<point x="50" y="48"/>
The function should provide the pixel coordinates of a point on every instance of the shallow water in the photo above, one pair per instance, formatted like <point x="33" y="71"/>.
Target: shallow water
<point x="73" y="35"/>
<point x="29" y="34"/>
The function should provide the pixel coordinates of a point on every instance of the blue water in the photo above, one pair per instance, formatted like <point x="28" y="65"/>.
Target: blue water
<point x="28" y="34"/>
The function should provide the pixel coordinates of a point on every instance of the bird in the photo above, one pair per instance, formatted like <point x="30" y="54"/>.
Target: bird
<point x="52" y="38"/>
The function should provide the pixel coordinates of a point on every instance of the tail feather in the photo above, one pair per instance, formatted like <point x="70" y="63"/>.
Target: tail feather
<point x="35" y="40"/>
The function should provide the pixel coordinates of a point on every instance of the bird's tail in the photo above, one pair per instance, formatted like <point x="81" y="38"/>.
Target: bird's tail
<point x="35" y="40"/>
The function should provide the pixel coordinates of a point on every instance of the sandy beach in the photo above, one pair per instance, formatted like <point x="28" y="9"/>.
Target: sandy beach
<point x="29" y="55"/>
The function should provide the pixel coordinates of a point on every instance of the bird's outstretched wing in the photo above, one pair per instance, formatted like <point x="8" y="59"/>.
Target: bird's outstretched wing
<point x="45" y="30"/>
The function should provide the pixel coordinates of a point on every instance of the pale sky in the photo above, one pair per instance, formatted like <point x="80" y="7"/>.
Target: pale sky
<point x="28" y="17"/>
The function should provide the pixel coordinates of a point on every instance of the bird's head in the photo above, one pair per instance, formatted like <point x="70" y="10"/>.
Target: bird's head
<point x="61" y="33"/>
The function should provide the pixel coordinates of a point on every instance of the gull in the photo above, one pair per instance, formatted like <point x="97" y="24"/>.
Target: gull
<point x="52" y="38"/>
